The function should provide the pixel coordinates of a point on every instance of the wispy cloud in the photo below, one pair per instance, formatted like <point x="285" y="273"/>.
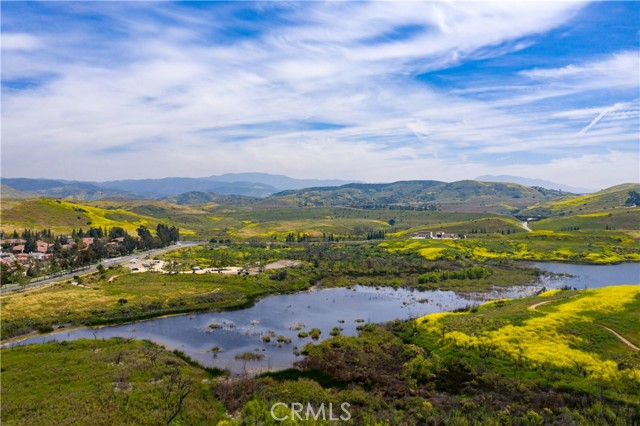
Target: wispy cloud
<point x="345" y="89"/>
<point x="20" y="41"/>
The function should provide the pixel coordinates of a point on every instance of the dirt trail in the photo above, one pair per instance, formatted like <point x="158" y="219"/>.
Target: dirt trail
<point x="541" y="303"/>
<point x="525" y="225"/>
<point x="622" y="339"/>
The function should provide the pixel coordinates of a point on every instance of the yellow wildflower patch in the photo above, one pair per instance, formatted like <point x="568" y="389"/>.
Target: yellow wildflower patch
<point x="539" y="340"/>
<point x="431" y="253"/>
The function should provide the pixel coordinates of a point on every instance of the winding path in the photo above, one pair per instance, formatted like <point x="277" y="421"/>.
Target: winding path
<point x="622" y="339"/>
<point x="541" y="303"/>
<point x="525" y="225"/>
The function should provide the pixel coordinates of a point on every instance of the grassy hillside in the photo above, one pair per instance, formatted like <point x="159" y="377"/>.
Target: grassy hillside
<point x="6" y="192"/>
<point x="63" y="215"/>
<point x="623" y="219"/>
<point x="470" y="209"/>
<point x="456" y="196"/>
<point x="561" y="329"/>
<point x="104" y="382"/>
<point x="609" y="198"/>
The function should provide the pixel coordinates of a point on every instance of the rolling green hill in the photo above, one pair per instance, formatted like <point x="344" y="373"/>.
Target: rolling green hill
<point x="6" y="192"/>
<point x="609" y="198"/>
<point x="199" y="197"/>
<point x="400" y="209"/>
<point x="61" y="216"/>
<point x="454" y="196"/>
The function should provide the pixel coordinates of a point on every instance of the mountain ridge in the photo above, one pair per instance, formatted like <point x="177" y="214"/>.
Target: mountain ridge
<point x="534" y="182"/>
<point x="259" y="185"/>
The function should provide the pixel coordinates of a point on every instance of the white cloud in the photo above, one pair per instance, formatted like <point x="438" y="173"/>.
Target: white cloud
<point x="619" y="69"/>
<point x="20" y="42"/>
<point x="341" y="63"/>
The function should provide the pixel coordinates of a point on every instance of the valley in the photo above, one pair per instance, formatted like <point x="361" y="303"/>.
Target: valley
<point x="372" y="294"/>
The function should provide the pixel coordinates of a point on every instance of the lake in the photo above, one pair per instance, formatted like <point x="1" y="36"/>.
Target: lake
<point x="242" y="331"/>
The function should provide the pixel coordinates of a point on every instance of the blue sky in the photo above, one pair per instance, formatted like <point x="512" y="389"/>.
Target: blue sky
<point x="372" y="91"/>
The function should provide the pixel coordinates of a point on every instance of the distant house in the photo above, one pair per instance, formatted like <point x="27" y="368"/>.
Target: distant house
<point x="424" y="234"/>
<point x="12" y="241"/>
<point x="439" y="235"/>
<point x="87" y="241"/>
<point x="7" y="258"/>
<point x="18" y="248"/>
<point x="42" y="247"/>
<point x="37" y="255"/>
<point x="443" y="235"/>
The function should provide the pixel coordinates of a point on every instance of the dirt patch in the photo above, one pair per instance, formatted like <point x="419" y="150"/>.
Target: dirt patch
<point x="280" y="264"/>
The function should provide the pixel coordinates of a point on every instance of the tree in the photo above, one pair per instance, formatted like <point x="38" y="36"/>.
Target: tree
<point x="175" y="390"/>
<point x="167" y="235"/>
<point x="146" y="239"/>
<point x="117" y="232"/>
<point x="633" y="200"/>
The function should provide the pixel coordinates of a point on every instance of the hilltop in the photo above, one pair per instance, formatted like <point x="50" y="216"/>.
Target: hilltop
<point x="463" y="195"/>
<point x="608" y="198"/>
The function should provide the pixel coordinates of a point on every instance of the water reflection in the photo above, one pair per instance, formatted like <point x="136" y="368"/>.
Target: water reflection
<point x="216" y="339"/>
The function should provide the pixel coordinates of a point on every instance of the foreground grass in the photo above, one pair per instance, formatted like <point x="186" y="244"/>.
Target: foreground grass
<point x="104" y="382"/>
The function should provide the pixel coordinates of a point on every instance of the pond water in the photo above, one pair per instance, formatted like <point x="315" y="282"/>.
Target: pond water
<point x="242" y="331"/>
<point x="589" y="276"/>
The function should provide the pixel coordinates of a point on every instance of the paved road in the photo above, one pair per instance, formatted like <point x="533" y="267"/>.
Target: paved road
<point x="105" y="262"/>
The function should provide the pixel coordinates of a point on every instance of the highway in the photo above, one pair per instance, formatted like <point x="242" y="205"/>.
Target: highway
<point x="42" y="281"/>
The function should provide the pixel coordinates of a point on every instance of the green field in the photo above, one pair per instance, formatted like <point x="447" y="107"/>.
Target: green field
<point x="104" y="382"/>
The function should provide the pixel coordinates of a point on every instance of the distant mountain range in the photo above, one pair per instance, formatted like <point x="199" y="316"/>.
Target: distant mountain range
<point x="534" y="182"/>
<point x="245" y="184"/>
<point x="491" y="193"/>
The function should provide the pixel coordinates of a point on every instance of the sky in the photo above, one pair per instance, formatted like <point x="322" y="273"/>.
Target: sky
<point x="371" y="91"/>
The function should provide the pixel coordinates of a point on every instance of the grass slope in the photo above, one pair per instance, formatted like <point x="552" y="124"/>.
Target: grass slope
<point x="609" y="198"/>
<point x="456" y="196"/>
<point x="62" y="216"/>
<point x="103" y="382"/>
<point x="564" y="333"/>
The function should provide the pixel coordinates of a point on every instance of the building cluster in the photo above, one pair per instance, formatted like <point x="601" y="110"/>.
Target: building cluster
<point x="14" y="249"/>
<point x="437" y="235"/>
